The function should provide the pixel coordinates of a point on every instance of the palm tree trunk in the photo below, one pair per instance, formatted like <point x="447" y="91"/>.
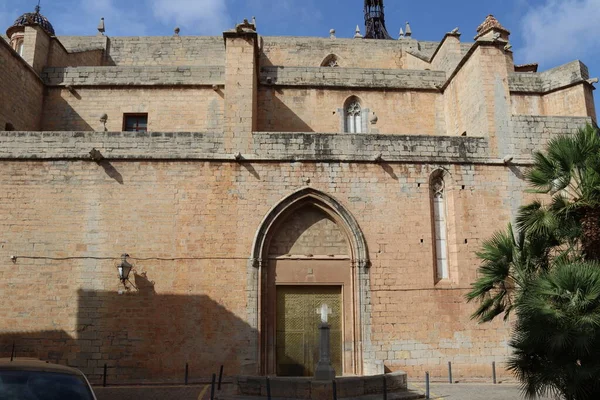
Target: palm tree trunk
<point x="590" y="233"/>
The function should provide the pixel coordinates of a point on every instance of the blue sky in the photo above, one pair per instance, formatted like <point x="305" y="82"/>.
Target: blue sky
<point x="550" y="32"/>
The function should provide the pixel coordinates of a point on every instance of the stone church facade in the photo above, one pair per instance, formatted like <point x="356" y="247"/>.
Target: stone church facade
<point x="249" y="179"/>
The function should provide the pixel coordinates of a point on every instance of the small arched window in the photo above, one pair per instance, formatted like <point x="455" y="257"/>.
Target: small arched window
<point x="9" y="127"/>
<point x="330" y="61"/>
<point x="440" y="227"/>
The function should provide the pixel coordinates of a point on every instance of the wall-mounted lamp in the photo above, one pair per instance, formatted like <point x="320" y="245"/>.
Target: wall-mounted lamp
<point x="238" y="156"/>
<point x="124" y="269"/>
<point x="508" y="159"/>
<point x="378" y="158"/>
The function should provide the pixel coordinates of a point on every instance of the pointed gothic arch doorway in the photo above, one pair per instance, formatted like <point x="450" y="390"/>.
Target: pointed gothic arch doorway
<point x="308" y="250"/>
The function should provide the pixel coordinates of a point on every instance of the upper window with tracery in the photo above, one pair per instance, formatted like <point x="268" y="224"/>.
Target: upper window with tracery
<point x="353" y="113"/>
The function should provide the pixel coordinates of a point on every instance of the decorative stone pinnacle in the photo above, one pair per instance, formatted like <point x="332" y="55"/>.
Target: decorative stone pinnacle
<point x="101" y="26"/>
<point x="408" y="31"/>
<point x="490" y="23"/>
<point x="332" y="34"/>
<point x="401" y="34"/>
<point x="357" y="34"/>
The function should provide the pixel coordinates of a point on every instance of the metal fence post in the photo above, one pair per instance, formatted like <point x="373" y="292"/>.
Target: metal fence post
<point x="334" y="389"/>
<point x="186" y="373"/>
<point x="104" y="376"/>
<point x="384" y="388"/>
<point x="427" y="385"/>
<point x="220" y="378"/>
<point x="212" y="387"/>
<point x="450" y="372"/>
<point x="268" y="389"/>
<point x="494" y="371"/>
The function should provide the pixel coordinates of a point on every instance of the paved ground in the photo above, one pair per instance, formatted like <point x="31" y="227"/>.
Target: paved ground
<point x="439" y="391"/>
<point x="201" y="392"/>
<point x="466" y="391"/>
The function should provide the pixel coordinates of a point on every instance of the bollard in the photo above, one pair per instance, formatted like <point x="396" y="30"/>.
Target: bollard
<point x="186" y="373"/>
<point x="427" y="395"/>
<point x="220" y="378"/>
<point x="212" y="387"/>
<point x="450" y="372"/>
<point x="104" y="376"/>
<point x="384" y="388"/>
<point x="334" y="389"/>
<point x="494" y="371"/>
<point x="268" y="389"/>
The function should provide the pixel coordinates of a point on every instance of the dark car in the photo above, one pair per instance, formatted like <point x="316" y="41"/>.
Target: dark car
<point x="24" y="379"/>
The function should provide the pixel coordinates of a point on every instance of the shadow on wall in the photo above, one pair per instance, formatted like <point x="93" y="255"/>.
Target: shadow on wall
<point x="143" y="336"/>
<point x="59" y="115"/>
<point x="278" y="117"/>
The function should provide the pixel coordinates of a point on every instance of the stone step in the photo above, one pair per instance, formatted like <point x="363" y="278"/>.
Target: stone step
<point x="408" y="395"/>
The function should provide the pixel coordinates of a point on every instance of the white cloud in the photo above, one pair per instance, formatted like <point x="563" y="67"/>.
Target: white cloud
<point x="561" y="30"/>
<point x="206" y="17"/>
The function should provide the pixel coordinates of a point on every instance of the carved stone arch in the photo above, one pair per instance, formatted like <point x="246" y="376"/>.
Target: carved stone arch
<point x="262" y="275"/>
<point x="331" y="60"/>
<point x="326" y="203"/>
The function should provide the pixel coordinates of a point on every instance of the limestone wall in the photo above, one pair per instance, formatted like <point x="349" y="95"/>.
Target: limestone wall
<point x="351" y="53"/>
<point x="36" y="47"/>
<point x="464" y="101"/>
<point x="166" y="50"/>
<point x="570" y="101"/>
<point x="531" y="133"/>
<point x="168" y="108"/>
<point x="189" y="226"/>
<point x="21" y="91"/>
<point x="321" y="110"/>
<point x="60" y="57"/>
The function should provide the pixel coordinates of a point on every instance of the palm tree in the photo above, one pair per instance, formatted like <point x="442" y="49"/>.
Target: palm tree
<point x="557" y="334"/>
<point x="509" y="262"/>
<point x="569" y="170"/>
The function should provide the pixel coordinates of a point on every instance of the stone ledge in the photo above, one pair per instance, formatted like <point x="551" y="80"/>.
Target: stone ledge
<point x="352" y="77"/>
<point x="548" y="81"/>
<point x="264" y="147"/>
<point x="307" y="388"/>
<point x="134" y="76"/>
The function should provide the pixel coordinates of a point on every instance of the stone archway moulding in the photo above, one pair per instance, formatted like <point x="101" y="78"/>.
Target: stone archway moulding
<point x="359" y="259"/>
<point x="335" y="209"/>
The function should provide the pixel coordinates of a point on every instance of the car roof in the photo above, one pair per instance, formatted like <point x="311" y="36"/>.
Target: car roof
<point x="28" y="364"/>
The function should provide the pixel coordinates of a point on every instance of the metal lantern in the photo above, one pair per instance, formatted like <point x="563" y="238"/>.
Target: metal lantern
<point x="124" y="268"/>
